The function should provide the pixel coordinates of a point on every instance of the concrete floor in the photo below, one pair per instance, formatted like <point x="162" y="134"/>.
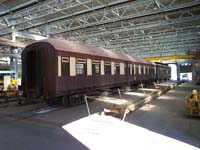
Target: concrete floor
<point x="22" y="129"/>
<point x="166" y="116"/>
<point x="20" y="135"/>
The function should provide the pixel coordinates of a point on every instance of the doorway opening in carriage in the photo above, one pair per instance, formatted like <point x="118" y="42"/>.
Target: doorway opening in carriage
<point x="33" y="76"/>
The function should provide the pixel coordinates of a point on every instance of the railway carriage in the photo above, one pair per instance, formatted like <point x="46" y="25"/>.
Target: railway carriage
<point x="163" y="71"/>
<point x="54" y="69"/>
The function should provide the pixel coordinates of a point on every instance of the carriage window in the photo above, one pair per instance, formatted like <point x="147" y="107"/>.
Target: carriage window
<point x="129" y="68"/>
<point x="107" y="68"/>
<point x="81" y="67"/>
<point x="150" y="70"/>
<point x="96" y="67"/>
<point x="65" y="66"/>
<point x="117" y="69"/>
<point x="136" y="69"/>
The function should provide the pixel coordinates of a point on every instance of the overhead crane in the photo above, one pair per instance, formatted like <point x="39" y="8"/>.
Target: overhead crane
<point x="173" y="57"/>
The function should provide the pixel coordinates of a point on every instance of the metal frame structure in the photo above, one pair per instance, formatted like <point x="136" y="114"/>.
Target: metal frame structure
<point x="143" y="28"/>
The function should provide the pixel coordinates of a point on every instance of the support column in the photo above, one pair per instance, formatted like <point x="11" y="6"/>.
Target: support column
<point x="178" y="71"/>
<point x="14" y="63"/>
<point x="197" y="67"/>
<point x="194" y="73"/>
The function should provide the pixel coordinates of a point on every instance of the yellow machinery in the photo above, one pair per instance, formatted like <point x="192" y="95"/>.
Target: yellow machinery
<point x="193" y="104"/>
<point x="11" y="92"/>
<point x="12" y="89"/>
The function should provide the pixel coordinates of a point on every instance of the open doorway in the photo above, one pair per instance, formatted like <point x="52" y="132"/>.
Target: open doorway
<point x="186" y="76"/>
<point x="186" y="71"/>
<point x="173" y="71"/>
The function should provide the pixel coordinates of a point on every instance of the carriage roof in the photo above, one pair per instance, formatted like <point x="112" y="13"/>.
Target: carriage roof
<point x="64" y="45"/>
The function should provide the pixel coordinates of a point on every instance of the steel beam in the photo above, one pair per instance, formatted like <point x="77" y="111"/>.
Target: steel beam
<point x="144" y="10"/>
<point x="7" y="72"/>
<point x="70" y="5"/>
<point x="74" y="24"/>
<point x="160" y="25"/>
<point x="10" y="55"/>
<point x="28" y="36"/>
<point x="19" y="7"/>
<point x="6" y="42"/>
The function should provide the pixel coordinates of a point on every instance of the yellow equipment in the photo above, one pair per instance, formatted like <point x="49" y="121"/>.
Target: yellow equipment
<point x="193" y="104"/>
<point x="12" y="89"/>
<point x="14" y="82"/>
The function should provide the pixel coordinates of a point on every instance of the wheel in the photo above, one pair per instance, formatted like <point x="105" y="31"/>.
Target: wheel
<point x="65" y="101"/>
<point x="50" y="102"/>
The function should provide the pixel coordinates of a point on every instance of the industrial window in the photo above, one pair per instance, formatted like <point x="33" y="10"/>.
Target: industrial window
<point x="107" y="68"/>
<point x="81" y="67"/>
<point x="96" y="67"/>
<point x="65" y="66"/>
<point x="117" y="69"/>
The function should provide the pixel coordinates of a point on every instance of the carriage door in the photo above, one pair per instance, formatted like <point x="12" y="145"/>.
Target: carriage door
<point x="34" y="73"/>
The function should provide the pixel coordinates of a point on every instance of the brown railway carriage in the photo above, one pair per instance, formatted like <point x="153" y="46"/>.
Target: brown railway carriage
<point x="55" y="68"/>
<point x="163" y="71"/>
